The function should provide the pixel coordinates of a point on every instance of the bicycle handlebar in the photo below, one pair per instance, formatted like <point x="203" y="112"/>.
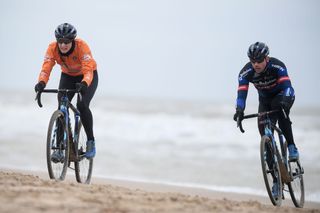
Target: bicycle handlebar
<point x="38" y="96"/>
<point x="260" y="114"/>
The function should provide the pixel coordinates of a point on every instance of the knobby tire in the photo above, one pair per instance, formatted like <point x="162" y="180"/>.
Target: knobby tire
<point x="266" y="147"/>
<point x="57" y="171"/>
<point x="83" y="166"/>
<point x="296" y="187"/>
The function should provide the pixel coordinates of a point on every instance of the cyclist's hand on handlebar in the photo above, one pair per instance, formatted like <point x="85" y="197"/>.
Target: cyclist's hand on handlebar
<point x="82" y="87"/>
<point x="39" y="87"/>
<point x="238" y="116"/>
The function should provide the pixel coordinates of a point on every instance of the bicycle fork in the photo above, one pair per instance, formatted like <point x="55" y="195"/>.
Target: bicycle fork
<point x="283" y="163"/>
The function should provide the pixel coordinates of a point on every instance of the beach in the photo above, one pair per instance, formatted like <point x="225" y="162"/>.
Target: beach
<point x="25" y="191"/>
<point x="152" y="156"/>
<point x="163" y="111"/>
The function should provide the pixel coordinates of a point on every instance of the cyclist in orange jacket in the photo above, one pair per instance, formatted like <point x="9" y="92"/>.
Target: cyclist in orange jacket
<point x="79" y="71"/>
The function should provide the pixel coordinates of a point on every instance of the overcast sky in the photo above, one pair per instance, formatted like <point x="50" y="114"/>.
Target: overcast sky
<point x="177" y="49"/>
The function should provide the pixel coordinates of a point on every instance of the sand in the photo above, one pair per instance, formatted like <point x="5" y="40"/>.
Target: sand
<point x="27" y="191"/>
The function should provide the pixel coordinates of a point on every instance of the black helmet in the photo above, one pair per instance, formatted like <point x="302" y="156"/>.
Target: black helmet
<point x="258" y="51"/>
<point x="65" y="31"/>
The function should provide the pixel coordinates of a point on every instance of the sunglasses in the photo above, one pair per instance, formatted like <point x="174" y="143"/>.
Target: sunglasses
<point x="260" y="60"/>
<point x="64" y="40"/>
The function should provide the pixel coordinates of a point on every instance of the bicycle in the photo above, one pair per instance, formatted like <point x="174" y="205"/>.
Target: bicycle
<point x="70" y="143"/>
<point x="276" y="167"/>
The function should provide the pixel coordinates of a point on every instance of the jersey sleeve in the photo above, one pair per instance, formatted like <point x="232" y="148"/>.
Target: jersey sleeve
<point x="48" y="64"/>
<point x="88" y="64"/>
<point x="243" y="87"/>
<point x="284" y="81"/>
<point x="242" y="94"/>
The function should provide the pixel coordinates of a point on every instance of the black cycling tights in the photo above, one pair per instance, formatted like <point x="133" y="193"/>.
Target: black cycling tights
<point x="284" y="123"/>
<point x="69" y="82"/>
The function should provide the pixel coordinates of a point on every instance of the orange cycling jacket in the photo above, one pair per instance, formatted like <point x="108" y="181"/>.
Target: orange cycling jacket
<point x="79" y="62"/>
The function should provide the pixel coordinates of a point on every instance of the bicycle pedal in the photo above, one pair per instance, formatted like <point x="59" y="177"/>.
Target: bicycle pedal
<point x="81" y="157"/>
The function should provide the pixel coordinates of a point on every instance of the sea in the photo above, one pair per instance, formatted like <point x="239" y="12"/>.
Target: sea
<point x="185" y="143"/>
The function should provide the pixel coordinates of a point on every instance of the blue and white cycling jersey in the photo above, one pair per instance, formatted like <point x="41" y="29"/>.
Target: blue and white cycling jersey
<point x="270" y="83"/>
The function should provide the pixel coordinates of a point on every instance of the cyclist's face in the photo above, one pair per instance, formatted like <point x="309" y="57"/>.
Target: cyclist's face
<point x="259" y="66"/>
<point x="64" y="48"/>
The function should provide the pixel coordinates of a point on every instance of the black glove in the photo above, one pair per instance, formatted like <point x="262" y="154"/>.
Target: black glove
<point x="286" y="102"/>
<point x="82" y="87"/>
<point x="238" y="115"/>
<point x="39" y="86"/>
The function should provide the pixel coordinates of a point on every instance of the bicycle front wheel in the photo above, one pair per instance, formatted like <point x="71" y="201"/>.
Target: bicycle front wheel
<point x="296" y="186"/>
<point x="83" y="166"/>
<point x="57" y="146"/>
<point x="270" y="170"/>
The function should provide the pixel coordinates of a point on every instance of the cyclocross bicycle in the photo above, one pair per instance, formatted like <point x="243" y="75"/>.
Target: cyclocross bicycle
<point x="67" y="142"/>
<point x="276" y="167"/>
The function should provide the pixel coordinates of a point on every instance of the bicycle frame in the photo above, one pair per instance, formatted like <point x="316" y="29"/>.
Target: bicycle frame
<point x="64" y="106"/>
<point x="269" y="126"/>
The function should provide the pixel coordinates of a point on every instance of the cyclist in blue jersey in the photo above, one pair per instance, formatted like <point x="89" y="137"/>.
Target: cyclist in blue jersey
<point x="270" y="77"/>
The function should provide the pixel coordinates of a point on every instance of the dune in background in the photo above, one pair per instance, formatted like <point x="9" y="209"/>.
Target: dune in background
<point x="27" y="192"/>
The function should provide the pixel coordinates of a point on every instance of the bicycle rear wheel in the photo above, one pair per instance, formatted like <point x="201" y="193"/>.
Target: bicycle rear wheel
<point x="270" y="170"/>
<point x="57" y="141"/>
<point x="296" y="186"/>
<point x="83" y="166"/>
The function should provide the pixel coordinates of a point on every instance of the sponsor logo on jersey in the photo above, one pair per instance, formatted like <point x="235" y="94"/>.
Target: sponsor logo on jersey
<point x="278" y="67"/>
<point x="244" y="74"/>
<point x="47" y="58"/>
<point x="86" y="57"/>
